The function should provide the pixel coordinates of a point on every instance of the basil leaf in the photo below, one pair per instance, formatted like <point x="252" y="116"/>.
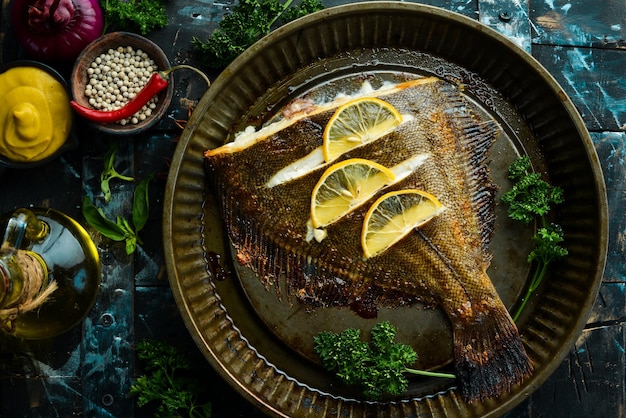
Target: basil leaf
<point x="141" y="205"/>
<point x="108" y="158"/>
<point x="130" y="236"/>
<point x="97" y="219"/>
<point x="105" y="176"/>
<point x="125" y="226"/>
<point x="104" y="186"/>
<point x="109" y="172"/>
<point x="131" y="244"/>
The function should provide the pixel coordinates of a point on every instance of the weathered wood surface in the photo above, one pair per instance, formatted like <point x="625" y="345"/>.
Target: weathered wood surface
<point x="583" y="23"/>
<point x="87" y="371"/>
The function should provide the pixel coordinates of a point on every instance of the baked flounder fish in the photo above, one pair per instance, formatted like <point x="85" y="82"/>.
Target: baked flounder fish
<point x="264" y="181"/>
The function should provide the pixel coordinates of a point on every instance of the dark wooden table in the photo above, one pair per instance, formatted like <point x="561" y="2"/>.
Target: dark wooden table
<point x="88" y="371"/>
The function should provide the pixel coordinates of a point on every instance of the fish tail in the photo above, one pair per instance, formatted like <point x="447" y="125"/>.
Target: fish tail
<point x="490" y="357"/>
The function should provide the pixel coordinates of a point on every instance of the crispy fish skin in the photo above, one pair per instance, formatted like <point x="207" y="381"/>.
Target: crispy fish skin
<point x="443" y="263"/>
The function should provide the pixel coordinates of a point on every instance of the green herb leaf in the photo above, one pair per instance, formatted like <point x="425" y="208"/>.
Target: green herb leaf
<point x="141" y="205"/>
<point x="98" y="220"/>
<point x="130" y="236"/>
<point x="142" y="16"/>
<point x="530" y="196"/>
<point x="377" y="367"/>
<point x="131" y="244"/>
<point x="124" y="226"/>
<point x="304" y="8"/>
<point x="529" y="199"/>
<point x="547" y="246"/>
<point x="246" y="24"/>
<point x="109" y="172"/>
<point x="162" y="385"/>
<point x="121" y="229"/>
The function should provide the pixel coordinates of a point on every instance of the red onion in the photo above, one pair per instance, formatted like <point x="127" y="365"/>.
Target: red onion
<point x="56" y="30"/>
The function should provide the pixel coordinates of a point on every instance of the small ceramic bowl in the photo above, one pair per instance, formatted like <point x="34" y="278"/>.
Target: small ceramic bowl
<point x="113" y="40"/>
<point x="70" y="140"/>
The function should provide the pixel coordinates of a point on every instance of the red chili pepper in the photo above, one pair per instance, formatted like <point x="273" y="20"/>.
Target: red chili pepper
<point x="157" y="82"/>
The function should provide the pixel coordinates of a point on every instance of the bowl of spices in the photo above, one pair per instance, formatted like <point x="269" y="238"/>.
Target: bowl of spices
<point x="35" y="117"/>
<point x="120" y="83"/>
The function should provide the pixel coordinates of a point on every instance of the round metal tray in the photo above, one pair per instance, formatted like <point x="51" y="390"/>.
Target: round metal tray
<point x="261" y="344"/>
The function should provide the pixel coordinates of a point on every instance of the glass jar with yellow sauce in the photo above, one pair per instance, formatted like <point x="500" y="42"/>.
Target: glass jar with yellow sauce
<point x="35" y="116"/>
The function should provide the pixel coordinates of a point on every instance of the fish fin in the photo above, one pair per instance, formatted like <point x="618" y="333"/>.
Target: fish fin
<point x="490" y="357"/>
<point x="475" y="138"/>
<point x="315" y="278"/>
<point x="475" y="142"/>
<point x="272" y="261"/>
<point x="480" y="138"/>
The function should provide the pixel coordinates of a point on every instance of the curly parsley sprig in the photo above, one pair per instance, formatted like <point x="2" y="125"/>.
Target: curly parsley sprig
<point x="142" y="16"/>
<point x="377" y="367"/>
<point x="163" y="386"/>
<point x="530" y="199"/>
<point x="247" y="23"/>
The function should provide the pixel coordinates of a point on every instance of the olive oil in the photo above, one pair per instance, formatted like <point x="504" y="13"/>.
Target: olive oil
<point x="68" y="260"/>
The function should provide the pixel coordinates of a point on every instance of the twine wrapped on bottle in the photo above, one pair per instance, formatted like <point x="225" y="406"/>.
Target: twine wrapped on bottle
<point x="49" y="274"/>
<point x="36" y="288"/>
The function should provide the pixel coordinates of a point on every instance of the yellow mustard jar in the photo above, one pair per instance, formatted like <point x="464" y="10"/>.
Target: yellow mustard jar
<point x="35" y="116"/>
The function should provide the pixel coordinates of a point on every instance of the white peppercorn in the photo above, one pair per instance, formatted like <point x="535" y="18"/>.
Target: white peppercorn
<point x="115" y="77"/>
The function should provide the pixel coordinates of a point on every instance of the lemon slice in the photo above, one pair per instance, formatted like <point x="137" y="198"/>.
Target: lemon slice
<point x="393" y="216"/>
<point x="358" y="122"/>
<point x="345" y="186"/>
